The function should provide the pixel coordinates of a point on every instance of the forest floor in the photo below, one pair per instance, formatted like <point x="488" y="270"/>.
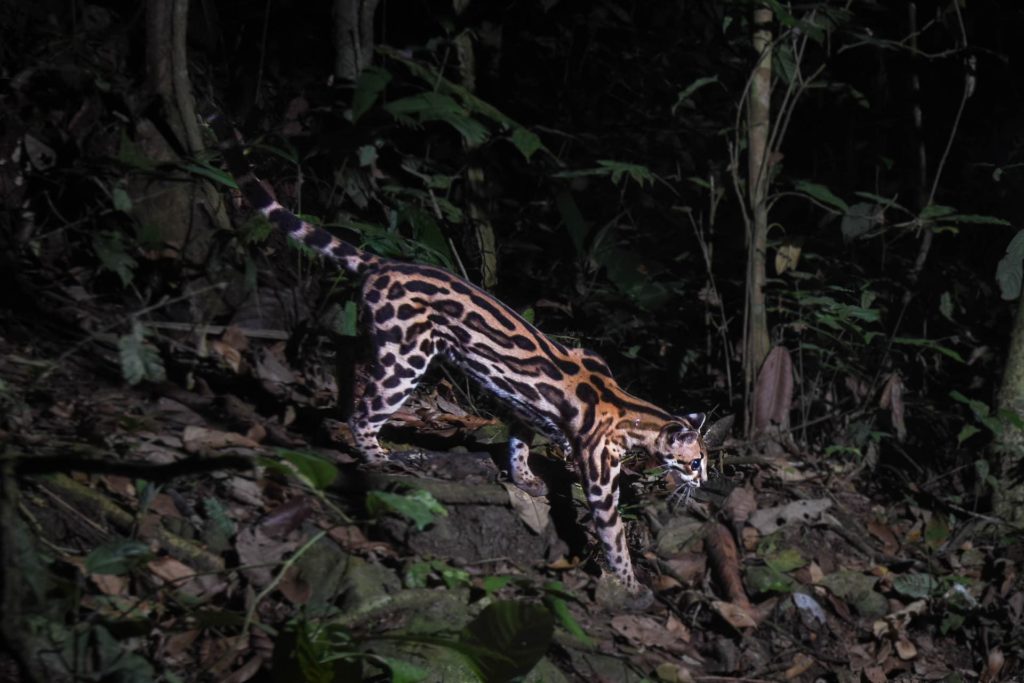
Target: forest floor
<point x="213" y="526"/>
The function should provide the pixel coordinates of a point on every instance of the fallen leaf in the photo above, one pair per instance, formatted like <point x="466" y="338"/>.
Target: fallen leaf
<point x="905" y="649"/>
<point x="535" y="512"/>
<point x="202" y="438"/>
<point x="725" y="562"/>
<point x="739" y="505"/>
<point x="770" y="520"/>
<point x="737" y="616"/>
<point x="801" y="663"/>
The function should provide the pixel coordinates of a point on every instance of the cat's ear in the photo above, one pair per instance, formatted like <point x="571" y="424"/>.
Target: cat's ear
<point x="696" y="420"/>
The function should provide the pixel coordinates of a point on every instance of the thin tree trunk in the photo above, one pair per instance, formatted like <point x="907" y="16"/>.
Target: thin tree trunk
<point x="759" y="125"/>
<point x="353" y="37"/>
<point x="1008" y="496"/>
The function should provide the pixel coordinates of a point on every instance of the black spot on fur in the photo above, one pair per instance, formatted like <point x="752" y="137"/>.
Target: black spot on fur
<point x="384" y="314"/>
<point x="418" y="362"/>
<point x="392" y="382"/>
<point x="317" y="239"/>
<point x="397" y="291"/>
<point x="586" y="393"/>
<point x="422" y="287"/>
<point x="406" y="311"/>
<point x="286" y="220"/>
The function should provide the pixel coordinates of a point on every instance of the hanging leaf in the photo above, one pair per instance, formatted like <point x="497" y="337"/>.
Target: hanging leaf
<point x="527" y="142"/>
<point x="109" y="247"/>
<point x="859" y="219"/>
<point x="683" y="98"/>
<point x="822" y="194"/>
<point x="773" y="392"/>
<point x="369" y="86"/>
<point x="1009" y="271"/>
<point x="892" y="400"/>
<point x="139" y="359"/>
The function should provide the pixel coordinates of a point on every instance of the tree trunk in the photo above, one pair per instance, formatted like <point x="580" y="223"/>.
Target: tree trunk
<point x="1008" y="494"/>
<point x="759" y="125"/>
<point x="353" y="37"/>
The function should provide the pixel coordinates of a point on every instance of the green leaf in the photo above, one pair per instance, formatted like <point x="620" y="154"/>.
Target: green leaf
<point x="369" y="86"/>
<point x="965" y="433"/>
<point x="121" y="199"/>
<point x="859" y="219"/>
<point x="139" y="359"/>
<point x="640" y="174"/>
<point x="683" y="98"/>
<point x="936" y="531"/>
<point x="315" y="471"/>
<point x="933" y="211"/>
<point x="418" y="506"/>
<point x="979" y="408"/>
<point x="109" y="247"/>
<point x="209" y="172"/>
<point x="975" y="218"/>
<point x="929" y="344"/>
<point x="117" y="557"/>
<point x="786" y="560"/>
<point x="822" y="194"/>
<point x="915" y="586"/>
<point x="507" y="639"/>
<point x="858" y="590"/>
<point x="1009" y="272"/>
<point x="559" y="607"/>
<point x="526" y="141"/>
<point x="768" y="580"/>
<point x="492" y="584"/>
<point x="402" y="671"/>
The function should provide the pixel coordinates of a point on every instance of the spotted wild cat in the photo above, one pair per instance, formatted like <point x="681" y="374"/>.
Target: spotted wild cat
<point x="414" y="313"/>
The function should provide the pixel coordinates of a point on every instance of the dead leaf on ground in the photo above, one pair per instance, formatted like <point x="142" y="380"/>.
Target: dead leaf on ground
<point x="203" y="438"/>
<point x="535" y="512"/>
<point x="737" y="616"/>
<point x="739" y="505"/>
<point x="644" y="631"/>
<point x="725" y="562"/>
<point x="769" y="520"/>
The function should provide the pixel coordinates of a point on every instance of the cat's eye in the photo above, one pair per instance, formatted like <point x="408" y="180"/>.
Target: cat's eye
<point x="695" y="464"/>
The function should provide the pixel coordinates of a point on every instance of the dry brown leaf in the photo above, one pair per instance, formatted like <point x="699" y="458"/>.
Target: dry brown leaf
<point x="109" y="584"/>
<point x="787" y="256"/>
<point x="883" y="533"/>
<point x="688" y="567"/>
<point x="535" y="512"/>
<point x="749" y="538"/>
<point x="725" y="563"/>
<point x="773" y="391"/>
<point x="905" y="649"/>
<point x="894" y="625"/>
<point x="203" y="438"/>
<point x="228" y="354"/>
<point x="994" y="664"/>
<point x="184" y="578"/>
<point x="892" y="400"/>
<point x="737" y="616"/>
<point x="739" y="505"/>
<point x="801" y="663"/>
<point x="294" y="588"/>
<point x="644" y="631"/>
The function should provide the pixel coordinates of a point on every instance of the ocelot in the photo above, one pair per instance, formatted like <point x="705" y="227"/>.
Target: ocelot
<point x="414" y="313"/>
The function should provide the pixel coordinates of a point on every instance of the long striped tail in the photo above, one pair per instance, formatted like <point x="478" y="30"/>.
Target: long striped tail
<point x="349" y="257"/>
